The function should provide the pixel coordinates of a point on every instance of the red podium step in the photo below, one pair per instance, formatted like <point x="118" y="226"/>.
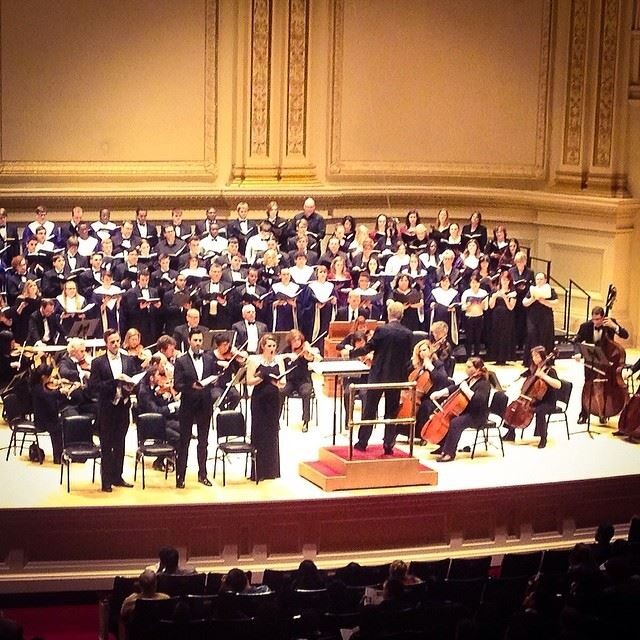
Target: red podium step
<point x="368" y="469"/>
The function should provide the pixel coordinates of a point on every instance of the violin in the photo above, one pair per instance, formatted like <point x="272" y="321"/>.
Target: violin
<point x="629" y="421"/>
<point x="605" y="393"/>
<point x="437" y="426"/>
<point x="519" y="413"/>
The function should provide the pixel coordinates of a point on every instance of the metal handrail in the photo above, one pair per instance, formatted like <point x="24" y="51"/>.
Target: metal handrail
<point x="572" y="284"/>
<point x="385" y="386"/>
<point x="533" y="259"/>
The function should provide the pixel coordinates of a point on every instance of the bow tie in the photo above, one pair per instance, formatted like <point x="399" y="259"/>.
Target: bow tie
<point x="251" y="323"/>
<point x="112" y="357"/>
<point x="196" y="356"/>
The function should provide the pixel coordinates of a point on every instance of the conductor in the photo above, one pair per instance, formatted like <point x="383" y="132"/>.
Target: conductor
<point x="391" y="345"/>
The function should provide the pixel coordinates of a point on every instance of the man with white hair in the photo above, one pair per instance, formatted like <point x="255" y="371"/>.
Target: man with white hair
<point x="391" y="344"/>
<point x="248" y="330"/>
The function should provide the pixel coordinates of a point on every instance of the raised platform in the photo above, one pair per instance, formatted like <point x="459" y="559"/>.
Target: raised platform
<point x="367" y="469"/>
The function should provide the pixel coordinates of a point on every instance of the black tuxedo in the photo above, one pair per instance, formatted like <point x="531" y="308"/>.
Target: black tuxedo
<point x="146" y="320"/>
<point x="82" y="262"/>
<point x="181" y="336"/>
<point x="312" y="257"/>
<point x="234" y="231"/>
<point x="222" y="317"/>
<point x="52" y="283"/>
<point x="170" y="249"/>
<point x="344" y="313"/>
<point x="151" y="235"/>
<point x="10" y="239"/>
<point x="315" y="223"/>
<point x="173" y="315"/>
<point x="120" y="244"/>
<point x="585" y="332"/>
<point x="182" y="230"/>
<point x="240" y="330"/>
<point x="202" y="228"/>
<point x="196" y="407"/>
<point x="112" y="419"/>
<point x="80" y="400"/>
<point x="391" y="344"/>
<point x="35" y="332"/>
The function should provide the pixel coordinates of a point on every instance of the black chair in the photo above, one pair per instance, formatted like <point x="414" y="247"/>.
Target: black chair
<point x="201" y="607"/>
<point x="152" y="441"/>
<point x="518" y="565"/>
<point x="77" y="445"/>
<point x="278" y="579"/>
<point x="232" y="440"/>
<point x="195" y="629"/>
<point x="249" y="604"/>
<point x="235" y="629"/>
<point x="177" y="584"/>
<point x="559" y="412"/>
<point x="467" y="592"/>
<point x="213" y="583"/>
<point x="363" y="576"/>
<point x="122" y="587"/>
<point x="147" y="615"/>
<point x="497" y="408"/>
<point x="15" y="413"/>
<point x="295" y="395"/>
<point x="555" y="561"/>
<point x="430" y="570"/>
<point x="305" y="599"/>
<point x="469" y="568"/>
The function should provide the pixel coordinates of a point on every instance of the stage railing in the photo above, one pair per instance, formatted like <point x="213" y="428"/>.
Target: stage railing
<point x="382" y="386"/>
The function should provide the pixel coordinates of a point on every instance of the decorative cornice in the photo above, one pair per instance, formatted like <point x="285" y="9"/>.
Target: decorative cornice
<point x="607" y="64"/>
<point x="142" y="170"/>
<point x="339" y="167"/>
<point x="260" y="77"/>
<point x="574" y="114"/>
<point x="297" y="77"/>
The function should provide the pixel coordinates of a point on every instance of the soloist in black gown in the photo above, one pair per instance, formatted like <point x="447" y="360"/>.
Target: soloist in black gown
<point x="265" y="424"/>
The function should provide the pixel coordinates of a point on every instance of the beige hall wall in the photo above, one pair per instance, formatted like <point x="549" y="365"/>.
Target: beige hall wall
<point x="521" y="109"/>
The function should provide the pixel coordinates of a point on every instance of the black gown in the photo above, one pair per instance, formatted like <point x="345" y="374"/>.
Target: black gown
<point x="502" y="339"/>
<point x="265" y="424"/>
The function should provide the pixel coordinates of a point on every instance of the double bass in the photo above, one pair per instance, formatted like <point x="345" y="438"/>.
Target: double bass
<point x="520" y="412"/>
<point x="605" y="393"/>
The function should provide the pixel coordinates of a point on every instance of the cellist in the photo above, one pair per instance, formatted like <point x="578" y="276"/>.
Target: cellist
<point x="476" y="389"/>
<point x="593" y="332"/>
<point x="539" y="369"/>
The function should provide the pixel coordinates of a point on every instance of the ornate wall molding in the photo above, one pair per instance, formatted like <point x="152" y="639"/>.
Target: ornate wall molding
<point x="607" y="64"/>
<point x="339" y="167"/>
<point x="261" y="20"/>
<point x="141" y="170"/>
<point x="574" y="113"/>
<point x="297" y="77"/>
<point x="634" y="73"/>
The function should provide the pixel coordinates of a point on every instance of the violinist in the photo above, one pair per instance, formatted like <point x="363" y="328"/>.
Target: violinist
<point x="540" y="369"/>
<point x="155" y="395"/>
<point x="599" y="328"/>
<point x="132" y="344"/>
<point x="476" y="389"/>
<point x="75" y="367"/>
<point x="228" y="361"/>
<point x="46" y="405"/>
<point x="299" y="354"/>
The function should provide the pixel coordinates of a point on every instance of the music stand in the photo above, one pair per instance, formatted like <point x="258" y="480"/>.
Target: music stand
<point x="596" y="360"/>
<point x="83" y="328"/>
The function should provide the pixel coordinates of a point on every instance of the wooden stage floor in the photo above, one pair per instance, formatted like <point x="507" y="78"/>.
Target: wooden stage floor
<point x="529" y="497"/>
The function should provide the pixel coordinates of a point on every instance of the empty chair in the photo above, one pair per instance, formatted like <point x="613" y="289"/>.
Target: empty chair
<point x="516" y="565"/>
<point x="15" y="413"/>
<point x="152" y="441"/>
<point x="506" y="593"/>
<point x="213" y="583"/>
<point x="495" y="421"/>
<point x="295" y="395"/>
<point x="249" y="604"/>
<point x="355" y="575"/>
<point x="201" y="607"/>
<point x="231" y="432"/>
<point x="467" y="592"/>
<point x="147" y="615"/>
<point x="122" y="587"/>
<point x="559" y="412"/>
<point x="278" y="579"/>
<point x="303" y="599"/>
<point x="468" y="568"/>
<point x="177" y="584"/>
<point x="430" y="569"/>
<point x="555" y="561"/>
<point x="78" y="445"/>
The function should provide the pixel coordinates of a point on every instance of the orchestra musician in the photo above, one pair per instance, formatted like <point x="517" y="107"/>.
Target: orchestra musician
<point x="299" y="353"/>
<point x="75" y="367"/>
<point x="46" y="406"/>
<point x="476" y="389"/>
<point x="113" y="408"/>
<point x="391" y="345"/>
<point x="228" y="361"/>
<point x="44" y="325"/>
<point x="593" y="332"/>
<point x="540" y="368"/>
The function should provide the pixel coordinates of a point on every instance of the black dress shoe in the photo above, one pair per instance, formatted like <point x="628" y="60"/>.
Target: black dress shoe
<point x="158" y="465"/>
<point x="122" y="483"/>
<point x="179" y="484"/>
<point x="204" y="480"/>
<point x="360" y="446"/>
<point x="436" y="452"/>
<point x="618" y="433"/>
<point x="106" y="488"/>
<point x="305" y="427"/>
<point x="388" y="451"/>
<point x="542" y="444"/>
<point x="603" y="420"/>
<point x="510" y="436"/>
<point x="582" y="419"/>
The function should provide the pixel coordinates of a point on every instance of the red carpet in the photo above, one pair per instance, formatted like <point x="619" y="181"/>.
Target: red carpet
<point x="373" y="452"/>
<point x="72" y="622"/>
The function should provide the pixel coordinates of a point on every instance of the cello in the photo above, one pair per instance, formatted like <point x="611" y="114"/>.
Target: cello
<point x="437" y="426"/>
<point x="520" y="412"/>
<point x="605" y="394"/>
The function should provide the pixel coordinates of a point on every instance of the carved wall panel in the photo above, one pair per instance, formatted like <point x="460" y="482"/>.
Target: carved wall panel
<point x="297" y="77"/>
<point x="260" y="77"/>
